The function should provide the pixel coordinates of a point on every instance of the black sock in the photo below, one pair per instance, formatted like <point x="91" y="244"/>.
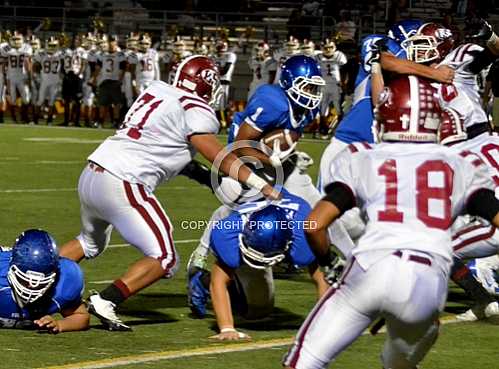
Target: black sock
<point x="117" y="292"/>
<point x="461" y="275"/>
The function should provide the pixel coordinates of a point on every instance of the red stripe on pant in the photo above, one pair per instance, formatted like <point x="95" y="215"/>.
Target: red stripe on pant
<point x="477" y="238"/>
<point x="147" y="218"/>
<point x="161" y="214"/>
<point x="309" y="321"/>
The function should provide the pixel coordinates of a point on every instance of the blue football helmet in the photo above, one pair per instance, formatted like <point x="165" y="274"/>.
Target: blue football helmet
<point x="266" y="237"/>
<point x="402" y="30"/>
<point x="302" y="80"/>
<point x="33" y="267"/>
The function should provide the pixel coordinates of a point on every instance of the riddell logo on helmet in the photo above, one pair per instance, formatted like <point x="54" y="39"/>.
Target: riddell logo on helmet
<point x="209" y="76"/>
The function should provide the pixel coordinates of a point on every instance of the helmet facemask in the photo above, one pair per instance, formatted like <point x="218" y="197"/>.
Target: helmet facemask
<point x="28" y="287"/>
<point x="258" y="260"/>
<point x="306" y="92"/>
<point x="422" y="49"/>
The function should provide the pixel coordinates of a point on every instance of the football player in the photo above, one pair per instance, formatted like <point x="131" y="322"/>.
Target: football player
<point x="432" y="45"/>
<point x="18" y="56"/>
<point x="400" y="267"/>
<point x="378" y="53"/>
<point x="35" y="284"/>
<point x="178" y="53"/>
<point x="35" y="81"/>
<point x="330" y="60"/>
<point x="74" y="57"/>
<point x="3" y="62"/>
<point x="246" y="244"/>
<point x="290" y="48"/>
<point x="108" y="77"/>
<point x="147" y="66"/>
<point x="49" y="64"/>
<point x="292" y="105"/>
<point x="226" y="61"/>
<point x="263" y="67"/>
<point x="88" y="44"/>
<point x="308" y="48"/>
<point x="161" y="133"/>
<point x="128" y="86"/>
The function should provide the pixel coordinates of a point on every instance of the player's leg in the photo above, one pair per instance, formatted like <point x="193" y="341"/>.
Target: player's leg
<point x="337" y="320"/>
<point x="103" y="102"/>
<point x="325" y="107"/>
<point x="472" y="239"/>
<point x="336" y="100"/>
<point x="144" y="224"/>
<point x="252" y="292"/>
<point x="77" y="99"/>
<point x="24" y="92"/>
<point x="416" y="295"/>
<point x="13" y="99"/>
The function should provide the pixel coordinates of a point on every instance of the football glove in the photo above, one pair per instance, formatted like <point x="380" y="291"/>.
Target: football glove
<point x="278" y="156"/>
<point x="482" y="30"/>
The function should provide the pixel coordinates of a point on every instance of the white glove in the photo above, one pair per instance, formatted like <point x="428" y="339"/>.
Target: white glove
<point x="278" y="156"/>
<point x="303" y="161"/>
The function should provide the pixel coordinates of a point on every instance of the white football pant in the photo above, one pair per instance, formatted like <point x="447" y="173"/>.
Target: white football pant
<point x="409" y="294"/>
<point x="107" y="201"/>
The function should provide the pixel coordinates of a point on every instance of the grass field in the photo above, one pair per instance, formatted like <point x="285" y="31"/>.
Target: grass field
<point x="40" y="167"/>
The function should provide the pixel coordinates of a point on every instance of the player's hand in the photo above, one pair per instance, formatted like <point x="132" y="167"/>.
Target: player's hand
<point x="444" y="74"/>
<point x="303" y="161"/>
<point x="483" y="30"/>
<point x="48" y="323"/>
<point x="271" y="193"/>
<point x="230" y="335"/>
<point x="278" y="155"/>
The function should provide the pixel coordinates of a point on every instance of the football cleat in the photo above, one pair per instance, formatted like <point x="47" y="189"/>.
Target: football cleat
<point x="198" y="295"/>
<point x="491" y="309"/>
<point x="105" y="311"/>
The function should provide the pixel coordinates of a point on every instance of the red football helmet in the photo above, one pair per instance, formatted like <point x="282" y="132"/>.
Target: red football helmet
<point x="432" y="42"/>
<point x="451" y="128"/>
<point x="199" y="75"/>
<point x="408" y="111"/>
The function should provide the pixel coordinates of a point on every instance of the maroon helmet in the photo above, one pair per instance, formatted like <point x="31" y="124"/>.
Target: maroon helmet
<point x="408" y="111"/>
<point x="432" y="42"/>
<point x="198" y="75"/>
<point x="451" y="128"/>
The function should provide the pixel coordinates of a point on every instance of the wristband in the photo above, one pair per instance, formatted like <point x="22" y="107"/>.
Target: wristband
<point x="492" y="40"/>
<point x="375" y="68"/>
<point x="256" y="182"/>
<point x="225" y="330"/>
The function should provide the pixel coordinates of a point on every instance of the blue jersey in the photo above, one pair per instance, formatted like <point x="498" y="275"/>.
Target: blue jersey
<point x="268" y="109"/>
<point x="356" y="126"/>
<point x="224" y="240"/>
<point x="67" y="293"/>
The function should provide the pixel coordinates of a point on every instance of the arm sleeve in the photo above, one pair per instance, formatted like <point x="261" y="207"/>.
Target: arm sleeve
<point x="481" y="60"/>
<point x="200" y="119"/>
<point x="483" y="203"/>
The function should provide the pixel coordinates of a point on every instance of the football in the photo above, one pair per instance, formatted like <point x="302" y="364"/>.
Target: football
<point x="285" y="137"/>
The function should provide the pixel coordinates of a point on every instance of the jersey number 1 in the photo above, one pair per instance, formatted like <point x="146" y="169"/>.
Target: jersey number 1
<point x="146" y="100"/>
<point x="426" y="195"/>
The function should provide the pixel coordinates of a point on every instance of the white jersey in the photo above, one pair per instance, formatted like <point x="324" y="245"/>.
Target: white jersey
<point x="50" y="64"/>
<point x="146" y="65"/>
<point x="153" y="146"/>
<point x="330" y="67"/>
<point x="411" y="194"/>
<point x="466" y="81"/>
<point x="91" y="59"/>
<point x="261" y="70"/>
<point x="280" y="57"/>
<point x="226" y="63"/>
<point x="74" y="60"/>
<point x="16" y="61"/>
<point x="111" y="65"/>
<point x="486" y="146"/>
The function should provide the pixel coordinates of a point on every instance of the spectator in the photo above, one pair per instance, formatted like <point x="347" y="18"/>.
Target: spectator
<point x="346" y="28"/>
<point x="492" y="85"/>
